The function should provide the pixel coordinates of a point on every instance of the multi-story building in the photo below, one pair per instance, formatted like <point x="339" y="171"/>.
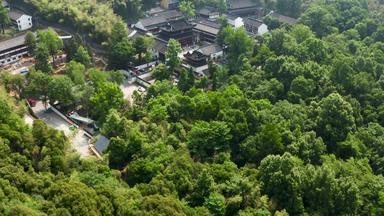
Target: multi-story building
<point x="199" y="59"/>
<point x="180" y="30"/>
<point x="206" y="30"/>
<point x="12" y="50"/>
<point x="153" y="23"/>
<point x="243" y="7"/>
<point x="255" y="26"/>
<point x="208" y="13"/>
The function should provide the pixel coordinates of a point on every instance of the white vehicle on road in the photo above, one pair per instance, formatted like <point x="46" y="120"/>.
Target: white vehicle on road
<point x="141" y="89"/>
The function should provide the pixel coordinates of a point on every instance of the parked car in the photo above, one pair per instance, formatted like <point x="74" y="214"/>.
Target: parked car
<point x="141" y="89"/>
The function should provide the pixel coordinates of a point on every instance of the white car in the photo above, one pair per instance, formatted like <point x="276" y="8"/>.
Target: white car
<point x="141" y="89"/>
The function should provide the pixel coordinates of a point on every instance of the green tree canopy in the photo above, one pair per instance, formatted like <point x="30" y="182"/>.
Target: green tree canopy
<point x="107" y="96"/>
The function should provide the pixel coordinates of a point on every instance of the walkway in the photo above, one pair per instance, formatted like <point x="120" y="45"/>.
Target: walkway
<point x="77" y="137"/>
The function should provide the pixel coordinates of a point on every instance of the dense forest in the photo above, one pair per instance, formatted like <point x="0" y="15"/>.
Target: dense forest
<point x="92" y="17"/>
<point x="292" y="125"/>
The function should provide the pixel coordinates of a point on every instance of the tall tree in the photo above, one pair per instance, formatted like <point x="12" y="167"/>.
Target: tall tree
<point x="42" y="59"/>
<point x="49" y="148"/>
<point x="186" y="80"/>
<point x="202" y="189"/>
<point x="142" y="45"/>
<point x="4" y="18"/>
<point x="161" y="72"/>
<point x="207" y="138"/>
<point x="121" y="55"/>
<point x="187" y="8"/>
<point x="50" y="39"/>
<point x="119" y="33"/>
<point x="76" y="71"/>
<point x="31" y="42"/>
<point x="290" y="8"/>
<point x="335" y="120"/>
<point x="308" y="147"/>
<point x="216" y="204"/>
<point x="224" y="30"/>
<point x="82" y="56"/>
<point x="172" y="55"/>
<point x="267" y="141"/>
<point x="38" y="85"/>
<point x="280" y="181"/>
<point x="61" y="90"/>
<point x="71" y="46"/>
<point x="108" y="95"/>
<point x="319" y="20"/>
<point x="130" y="10"/>
<point x="239" y="45"/>
<point x="14" y="83"/>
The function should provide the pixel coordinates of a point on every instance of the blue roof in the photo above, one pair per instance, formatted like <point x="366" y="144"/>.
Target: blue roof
<point x="102" y="144"/>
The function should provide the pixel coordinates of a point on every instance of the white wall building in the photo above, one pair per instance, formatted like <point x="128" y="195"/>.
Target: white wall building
<point x="236" y="22"/>
<point x="255" y="26"/>
<point x="198" y="59"/>
<point x="262" y="29"/>
<point x="22" y="21"/>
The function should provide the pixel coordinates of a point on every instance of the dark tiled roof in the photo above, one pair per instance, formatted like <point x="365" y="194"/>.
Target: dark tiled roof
<point x="13" y="42"/>
<point x="102" y="144"/>
<point x="239" y="4"/>
<point x="178" y="25"/>
<point x="284" y="19"/>
<point x="207" y="26"/>
<point x="232" y="17"/>
<point x="211" y="23"/>
<point x="160" y="46"/>
<point x="252" y="21"/>
<point x="155" y="10"/>
<point x="160" y="18"/>
<point x="194" y="56"/>
<point x="135" y="34"/>
<point x="210" y="49"/>
<point x="15" y="15"/>
<point x="206" y="11"/>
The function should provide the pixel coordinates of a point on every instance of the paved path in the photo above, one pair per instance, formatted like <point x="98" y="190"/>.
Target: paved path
<point x="81" y="143"/>
<point x="78" y="138"/>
